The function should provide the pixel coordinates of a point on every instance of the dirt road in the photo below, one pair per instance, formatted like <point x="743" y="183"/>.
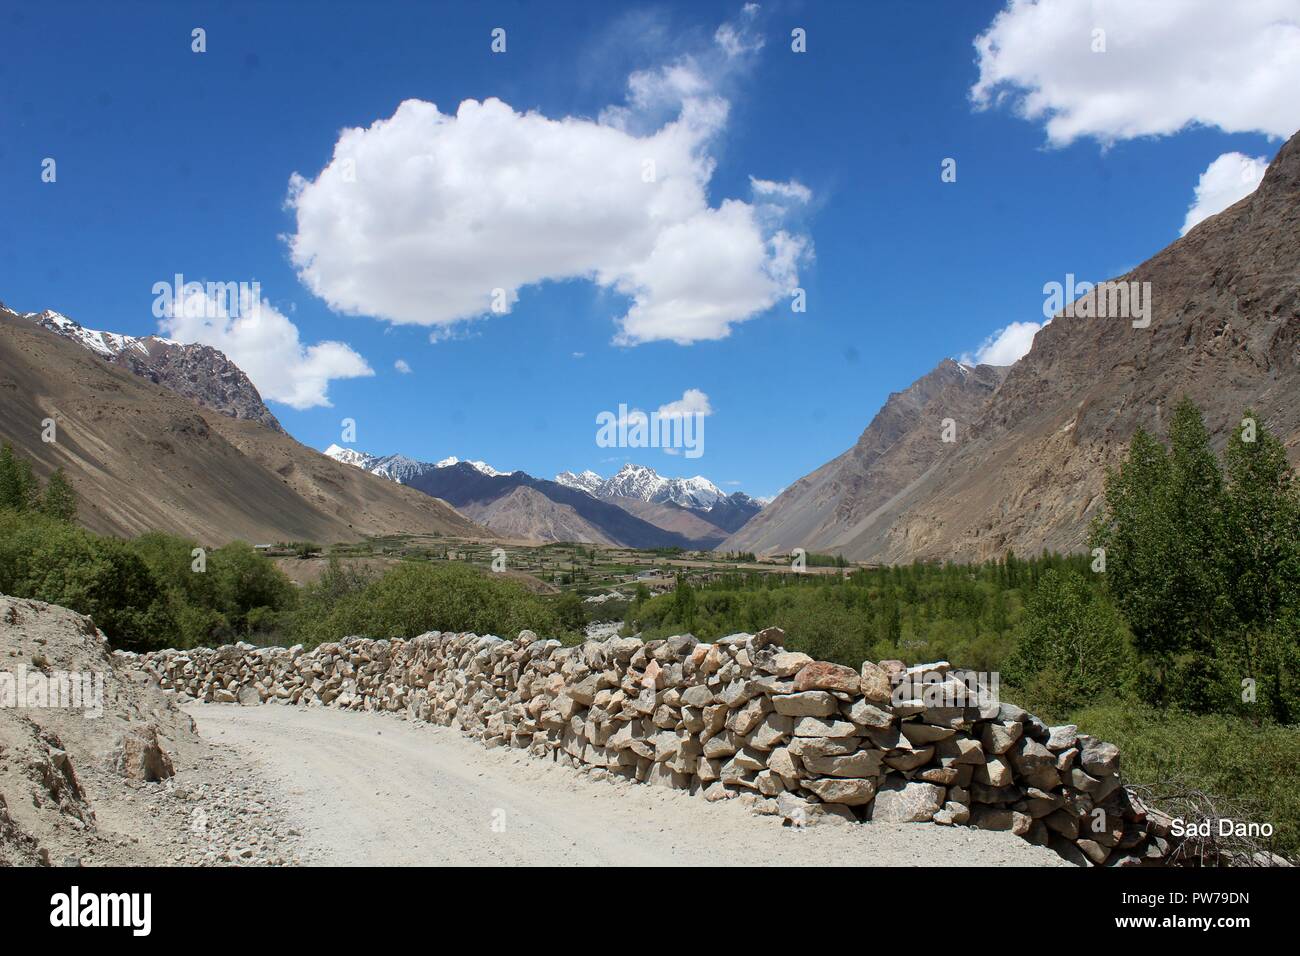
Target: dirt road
<point x="375" y="789"/>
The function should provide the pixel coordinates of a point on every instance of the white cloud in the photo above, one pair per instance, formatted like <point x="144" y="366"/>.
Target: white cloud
<point x="266" y="345"/>
<point x="419" y="218"/>
<point x="1231" y="177"/>
<point x="692" y="402"/>
<point x="1167" y="64"/>
<point x="1005" y="346"/>
<point x="791" y="191"/>
<point x="402" y="366"/>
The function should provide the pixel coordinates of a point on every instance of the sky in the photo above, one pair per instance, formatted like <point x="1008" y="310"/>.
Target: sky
<point x="474" y="227"/>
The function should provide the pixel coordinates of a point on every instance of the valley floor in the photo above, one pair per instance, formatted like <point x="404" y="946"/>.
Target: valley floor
<point x="374" y="789"/>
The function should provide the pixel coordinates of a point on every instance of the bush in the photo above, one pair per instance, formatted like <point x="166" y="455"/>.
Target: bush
<point x="49" y="560"/>
<point x="414" y="598"/>
<point x="1251" y="767"/>
<point x="239" y="593"/>
<point x="570" y="612"/>
<point x="248" y="588"/>
<point x="1072" y="646"/>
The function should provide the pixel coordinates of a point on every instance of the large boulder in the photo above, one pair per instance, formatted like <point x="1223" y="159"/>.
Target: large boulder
<point x="822" y="675"/>
<point x="140" y="756"/>
<point x="907" y="801"/>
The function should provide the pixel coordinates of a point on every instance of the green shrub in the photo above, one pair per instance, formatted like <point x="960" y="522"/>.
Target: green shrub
<point x="414" y="598"/>
<point x="238" y="595"/>
<point x="49" y="560"/>
<point x="1072" y="646"/>
<point x="1251" y="767"/>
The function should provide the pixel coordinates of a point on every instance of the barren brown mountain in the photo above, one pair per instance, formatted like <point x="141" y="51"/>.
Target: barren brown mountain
<point x="142" y="457"/>
<point x="672" y="517"/>
<point x="199" y="372"/>
<point x="526" y="514"/>
<point x="1028" y="471"/>
<point x="900" y="446"/>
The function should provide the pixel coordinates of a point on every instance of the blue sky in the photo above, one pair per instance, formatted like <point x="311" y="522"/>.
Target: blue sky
<point x="171" y="161"/>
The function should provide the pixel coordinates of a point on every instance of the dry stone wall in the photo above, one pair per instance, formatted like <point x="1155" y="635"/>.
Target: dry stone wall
<point x="741" y="718"/>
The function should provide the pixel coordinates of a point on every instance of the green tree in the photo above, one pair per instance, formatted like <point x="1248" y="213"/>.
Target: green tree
<point x="1262" y="527"/>
<point x="59" y="501"/>
<point x="571" y="613"/>
<point x="1261" y="570"/>
<point x="1072" y="648"/>
<point x="18" y="485"/>
<point x="53" y="561"/>
<point x="684" y="604"/>
<point x="1161" y="530"/>
<point x="243" y="581"/>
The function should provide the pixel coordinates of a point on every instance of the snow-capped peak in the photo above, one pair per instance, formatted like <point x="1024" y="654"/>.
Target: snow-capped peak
<point x="588" y="481"/>
<point x="640" y="481"/>
<point x="107" y="344"/>
<point x="400" y="468"/>
<point x="479" y="466"/>
<point x="350" y="456"/>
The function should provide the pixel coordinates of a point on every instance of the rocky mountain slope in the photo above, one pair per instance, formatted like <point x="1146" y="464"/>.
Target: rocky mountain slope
<point x="673" y="517"/>
<point x="528" y="515"/>
<point x="142" y="458"/>
<point x="199" y="372"/>
<point x="1027" y="471"/>
<point x="825" y="510"/>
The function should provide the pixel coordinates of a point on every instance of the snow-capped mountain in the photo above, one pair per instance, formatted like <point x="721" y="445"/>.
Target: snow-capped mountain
<point x="645" y="484"/>
<point x="400" y="468"/>
<point x="636" y="507"/>
<point x="199" y="372"/>
<point x="588" y="481"/>
<point x="479" y="466"/>
<point x="350" y="456"/>
<point x="106" y="344"/>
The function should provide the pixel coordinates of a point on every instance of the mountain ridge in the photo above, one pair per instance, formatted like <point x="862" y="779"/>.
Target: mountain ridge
<point x="476" y="488"/>
<point x="199" y="372"/>
<point x="1027" y="472"/>
<point x="141" y="457"/>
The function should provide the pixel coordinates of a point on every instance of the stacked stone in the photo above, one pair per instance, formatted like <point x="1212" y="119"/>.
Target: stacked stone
<point x="742" y="718"/>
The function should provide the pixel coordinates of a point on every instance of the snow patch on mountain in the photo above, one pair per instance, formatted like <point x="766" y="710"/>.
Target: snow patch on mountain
<point x="107" y="344"/>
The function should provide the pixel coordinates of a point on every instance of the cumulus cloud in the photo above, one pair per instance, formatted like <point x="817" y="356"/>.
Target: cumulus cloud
<point x="1231" y="177"/>
<point x="433" y="218"/>
<point x="692" y="402"/>
<point x="1167" y="64"/>
<point x="402" y="366"/>
<point x="263" y="342"/>
<point x="1005" y="346"/>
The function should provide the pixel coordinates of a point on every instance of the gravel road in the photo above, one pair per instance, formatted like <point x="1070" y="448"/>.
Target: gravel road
<point x="375" y="789"/>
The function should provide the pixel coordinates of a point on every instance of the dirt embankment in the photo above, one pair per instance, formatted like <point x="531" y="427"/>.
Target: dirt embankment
<point x="113" y="773"/>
